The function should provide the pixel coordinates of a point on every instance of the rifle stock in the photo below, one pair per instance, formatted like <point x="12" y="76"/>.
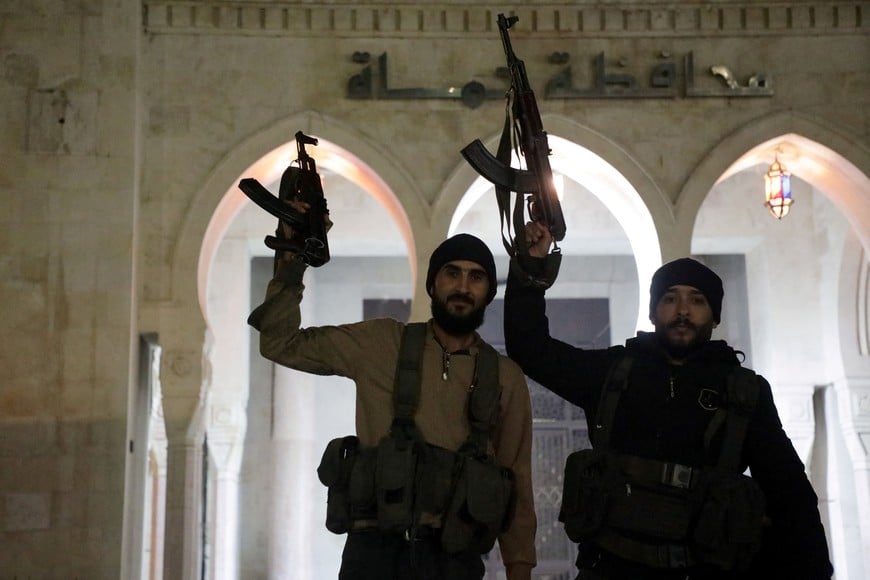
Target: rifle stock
<point x="486" y="164"/>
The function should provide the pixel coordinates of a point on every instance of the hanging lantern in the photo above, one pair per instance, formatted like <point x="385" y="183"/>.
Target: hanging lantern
<point x="777" y="190"/>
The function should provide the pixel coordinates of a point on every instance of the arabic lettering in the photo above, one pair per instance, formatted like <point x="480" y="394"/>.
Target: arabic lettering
<point x="662" y="82"/>
<point x="371" y="82"/>
<point x="373" y="85"/>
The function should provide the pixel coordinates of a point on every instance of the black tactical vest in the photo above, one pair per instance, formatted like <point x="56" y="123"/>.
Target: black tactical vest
<point x="660" y="514"/>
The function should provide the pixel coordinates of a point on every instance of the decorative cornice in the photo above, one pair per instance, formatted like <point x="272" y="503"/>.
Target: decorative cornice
<point x="562" y="20"/>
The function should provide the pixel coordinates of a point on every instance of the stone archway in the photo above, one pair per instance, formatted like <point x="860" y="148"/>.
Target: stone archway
<point x="200" y="400"/>
<point x="832" y="160"/>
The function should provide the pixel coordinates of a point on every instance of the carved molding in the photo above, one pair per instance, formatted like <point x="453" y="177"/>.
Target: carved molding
<point x="565" y="20"/>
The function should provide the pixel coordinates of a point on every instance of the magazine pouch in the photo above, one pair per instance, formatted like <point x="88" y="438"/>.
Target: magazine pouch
<point x="481" y="506"/>
<point x="585" y="494"/>
<point x="394" y="483"/>
<point x="436" y="471"/>
<point x="334" y="472"/>
<point x="729" y="528"/>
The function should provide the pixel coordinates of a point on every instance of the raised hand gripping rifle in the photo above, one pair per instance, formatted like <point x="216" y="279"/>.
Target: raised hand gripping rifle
<point x="533" y="185"/>
<point x="300" y="182"/>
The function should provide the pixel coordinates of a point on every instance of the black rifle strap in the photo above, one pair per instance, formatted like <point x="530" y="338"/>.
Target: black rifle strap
<point x="742" y="398"/>
<point x="614" y="385"/>
<point x="503" y="194"/>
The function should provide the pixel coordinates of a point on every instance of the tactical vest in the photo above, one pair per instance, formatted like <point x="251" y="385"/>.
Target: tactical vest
<point x="402" y="480"/>
<point x="667" y="515"/>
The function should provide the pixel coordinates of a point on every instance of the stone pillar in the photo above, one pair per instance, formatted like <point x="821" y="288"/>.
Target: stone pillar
<point x="183" y="546"/>
<point x="181" y="378"/>
<point x="853" y="396"/>
<point x="157" y="515"/>
<point x="227" y="386"/>
<point x="290" y="546"/>
<point x="155" y="500"/>
<point x="225" y="445"/>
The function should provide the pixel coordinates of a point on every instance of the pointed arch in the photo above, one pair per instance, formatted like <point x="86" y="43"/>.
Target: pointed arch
<point x="831" y="160"/>
<point x="215" y="205"/>
<point x="605" y="169"/>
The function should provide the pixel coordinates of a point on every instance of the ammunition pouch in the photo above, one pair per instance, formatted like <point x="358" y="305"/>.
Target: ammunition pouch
<point x="728" y="532"/>
<point x="437" y="471"/>
<point x="334" y="472"/>
<point x="663" y="515"/>
<point x="395" y="475"/>
<point x="397" y="481"/>
<point x="481" y="507"/>
<point x="585" y="493"/>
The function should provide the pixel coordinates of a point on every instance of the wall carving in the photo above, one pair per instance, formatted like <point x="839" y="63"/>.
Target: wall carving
<point x="558" y="20"/>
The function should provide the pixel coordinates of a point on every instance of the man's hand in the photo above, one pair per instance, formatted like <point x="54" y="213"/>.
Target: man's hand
<point x="286" y="231"/>
<point x="539" y="239"/>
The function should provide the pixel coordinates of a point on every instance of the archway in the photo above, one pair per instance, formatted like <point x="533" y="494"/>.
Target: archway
<point x="222" y="393"/>
<point x="601" y="168"/>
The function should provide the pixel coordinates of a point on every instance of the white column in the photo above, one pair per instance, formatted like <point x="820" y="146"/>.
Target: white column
<point x="183" y="551"/>
<point x="225" y="444"/>
<point x="853" y="397"/>
<point x="158" y="517"/>
<point x="226" y="384"/>
<point x="293" y="476"/>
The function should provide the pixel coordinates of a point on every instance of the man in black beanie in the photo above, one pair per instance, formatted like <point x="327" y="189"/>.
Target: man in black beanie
<point x="674" y="421"/>
<point x="443" y="421"/>
<point x="685" y="305"/>
<point x="462" y="251"/>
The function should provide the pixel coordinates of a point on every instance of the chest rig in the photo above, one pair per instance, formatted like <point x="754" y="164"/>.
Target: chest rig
<point x="662" y="514"/>
<point x="405" y="483"/>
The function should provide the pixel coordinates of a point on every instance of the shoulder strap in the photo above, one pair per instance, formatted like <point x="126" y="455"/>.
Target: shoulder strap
<point x="614" y="385"/>
<point x="484" y="398"/>
<point x="485" y="392"/>
<point x="742" y="398"/>
<point x="406" y="385"/>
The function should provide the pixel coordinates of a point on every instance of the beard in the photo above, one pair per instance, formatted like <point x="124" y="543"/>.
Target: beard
<point x="680" y="349"/>
<point x="456" y="324"/>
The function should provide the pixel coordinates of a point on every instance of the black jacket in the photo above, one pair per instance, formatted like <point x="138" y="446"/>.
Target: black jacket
<point x="664" y="413"/>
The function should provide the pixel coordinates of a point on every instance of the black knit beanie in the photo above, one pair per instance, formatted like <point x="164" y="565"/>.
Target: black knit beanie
<point x="687" y="272"/>
<point x="462" y="247"/>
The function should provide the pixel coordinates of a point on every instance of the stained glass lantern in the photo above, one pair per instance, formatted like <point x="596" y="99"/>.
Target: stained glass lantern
<point x="777" y="190"/>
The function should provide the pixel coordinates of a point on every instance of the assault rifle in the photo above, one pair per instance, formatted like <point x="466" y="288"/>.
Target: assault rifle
<point x="298" y="183"/>
<point x="537" y="180"/>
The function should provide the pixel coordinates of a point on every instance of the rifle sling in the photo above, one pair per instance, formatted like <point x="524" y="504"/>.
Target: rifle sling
<point x="503" y="194"/>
